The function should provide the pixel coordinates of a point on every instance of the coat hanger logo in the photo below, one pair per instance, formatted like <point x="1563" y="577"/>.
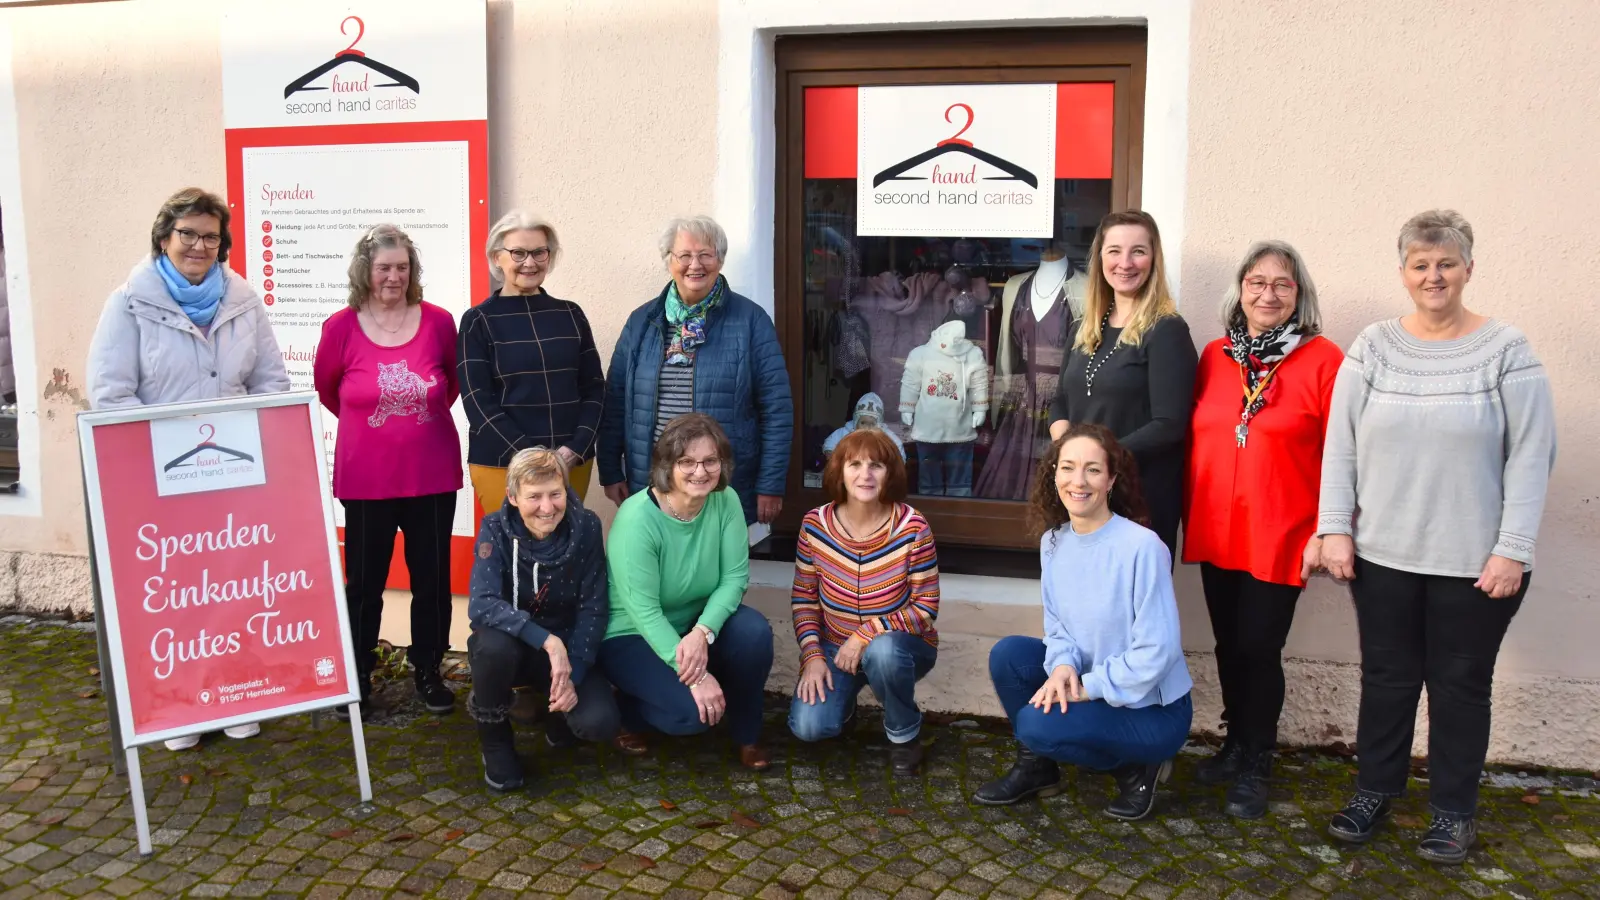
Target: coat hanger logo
<point x="956" y="144"/>
<point x="207" y="445"/>
<point x="350" y="54"/>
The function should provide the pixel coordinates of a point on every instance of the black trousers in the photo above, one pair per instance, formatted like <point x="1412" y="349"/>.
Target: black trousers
<point x="369" y="530"/>
<point x="1251" y="620"/>
<point x="501" y="662"/>
<point x="1438" y="631"/>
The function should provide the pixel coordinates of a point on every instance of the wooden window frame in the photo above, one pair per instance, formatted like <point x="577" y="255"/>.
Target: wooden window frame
<point x="1050" y="55"/>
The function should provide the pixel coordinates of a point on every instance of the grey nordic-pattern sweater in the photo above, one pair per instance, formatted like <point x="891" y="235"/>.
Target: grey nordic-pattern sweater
<point x="1438" y="452"/>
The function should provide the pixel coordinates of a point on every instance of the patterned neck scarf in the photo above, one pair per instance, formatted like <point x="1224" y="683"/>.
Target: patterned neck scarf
<point x="689" y="322"/>
<point x="1258" y="355"/>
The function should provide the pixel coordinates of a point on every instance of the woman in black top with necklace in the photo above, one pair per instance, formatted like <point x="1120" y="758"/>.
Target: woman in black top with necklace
<point x="1132" y="363"/>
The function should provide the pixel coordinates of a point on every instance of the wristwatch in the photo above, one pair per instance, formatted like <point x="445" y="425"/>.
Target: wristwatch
<point x="711" y="636"/>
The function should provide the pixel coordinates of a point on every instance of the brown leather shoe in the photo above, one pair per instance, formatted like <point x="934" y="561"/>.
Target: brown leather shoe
<point x="630" y="743"/>
<point x="754" y="756"/>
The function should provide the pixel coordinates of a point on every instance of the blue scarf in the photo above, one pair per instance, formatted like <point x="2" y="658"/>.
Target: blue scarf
<point x="198" y="301"/>
<point x="689" y="322"/>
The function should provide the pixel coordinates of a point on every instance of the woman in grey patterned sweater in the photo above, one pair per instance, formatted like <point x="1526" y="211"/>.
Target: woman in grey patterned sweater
<point x="1440" y="444"/>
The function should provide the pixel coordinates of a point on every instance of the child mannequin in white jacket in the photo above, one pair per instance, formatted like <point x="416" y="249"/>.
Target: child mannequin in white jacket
<point x="944" y="397"/>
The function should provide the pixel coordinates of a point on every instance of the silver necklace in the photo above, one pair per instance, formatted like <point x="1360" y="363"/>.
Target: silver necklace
<point x="1096" y="361"/>
<point x="1053" y="291"/>
<point x="668" y="505"/>
<point x="406" y="314"/>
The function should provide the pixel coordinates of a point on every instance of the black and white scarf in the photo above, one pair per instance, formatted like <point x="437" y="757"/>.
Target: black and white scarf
<point x="1257" y="355"/>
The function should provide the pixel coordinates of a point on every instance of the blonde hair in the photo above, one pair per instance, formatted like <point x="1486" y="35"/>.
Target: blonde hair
<point x="533" y="465"/>
<point x="1155" y="301"/>
<point x="378" y="238"/>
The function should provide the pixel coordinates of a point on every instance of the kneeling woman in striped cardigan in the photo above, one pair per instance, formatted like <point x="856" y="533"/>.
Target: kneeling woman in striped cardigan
<point x="866" y="593"/>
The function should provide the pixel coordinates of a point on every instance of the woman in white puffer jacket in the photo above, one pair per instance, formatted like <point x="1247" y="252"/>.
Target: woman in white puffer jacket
<point x="185" y="327"/>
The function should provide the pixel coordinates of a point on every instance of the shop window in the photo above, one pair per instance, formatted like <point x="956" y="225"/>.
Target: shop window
<point x="937" y="198"/>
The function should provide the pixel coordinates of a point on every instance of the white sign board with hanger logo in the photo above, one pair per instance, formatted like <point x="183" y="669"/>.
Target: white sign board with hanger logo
<point x="956" y="160"/>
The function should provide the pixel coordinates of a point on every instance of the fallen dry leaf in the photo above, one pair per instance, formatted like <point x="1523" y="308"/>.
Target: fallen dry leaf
<point x="645" y="861"/>
<point x="186" y="778"/>
<point x="52" y="818"/>
<point x="89" y="694"/>
<point x="709" y="823"/>
<point x="897" y="811"/>
<point x="453" y="833"/>
<point x="216" y="773"/>
<point x="431" y="723"/>
<point x="94" y="671"/>
<point x="591" y="866"/>
<point x="1531" y="799"/>
<point x="740" y="818"/>
<point x="668" y="805"/>
<point x="401" y="836"/>
<point x="341" y="833"/>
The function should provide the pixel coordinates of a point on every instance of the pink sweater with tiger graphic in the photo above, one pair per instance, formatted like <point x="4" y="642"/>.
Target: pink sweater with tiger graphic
<point x="396" y="436"/>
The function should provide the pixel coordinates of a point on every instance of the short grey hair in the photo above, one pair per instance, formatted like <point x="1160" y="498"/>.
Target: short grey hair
<point x="703" y="227"/>
<point x="1435" y="228"/>
<point x="1306" y="311"/>
<point x="518" y="220"/>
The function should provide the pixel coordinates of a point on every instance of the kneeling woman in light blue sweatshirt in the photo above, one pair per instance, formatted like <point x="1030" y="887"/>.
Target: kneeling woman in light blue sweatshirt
<point x="1107" y="688"/>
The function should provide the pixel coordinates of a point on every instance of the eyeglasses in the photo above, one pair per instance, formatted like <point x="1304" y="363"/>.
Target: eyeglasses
<point x="189" y="238"/>
<point x="712" y="465"/>
<point x="1282" y="287"/>
<point x="703" y="258"/>
<point x="520" y="256"/>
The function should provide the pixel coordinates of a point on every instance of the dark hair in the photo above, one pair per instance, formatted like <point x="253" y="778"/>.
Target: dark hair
<point x="1048" y="513"/>
<point x="379" y="238"/>
<point x="874" y="446"/>
<point x="674" y="443"/>
<point x="190" y="202"/>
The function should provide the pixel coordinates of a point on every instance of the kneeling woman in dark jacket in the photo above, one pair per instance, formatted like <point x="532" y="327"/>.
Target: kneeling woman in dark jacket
<point x="539" y="609"/>
<point x="1107" y="689"/>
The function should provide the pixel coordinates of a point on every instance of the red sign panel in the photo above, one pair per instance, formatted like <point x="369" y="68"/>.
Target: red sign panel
<point x="223" y="599"/>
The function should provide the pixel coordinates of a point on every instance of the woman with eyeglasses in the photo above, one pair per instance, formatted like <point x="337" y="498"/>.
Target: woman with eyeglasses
<point x="1262" y="397"/>
<point x="699" y="347"/>
<point x="185" y="327"/>
<point x="682" y="649"/>
<point x="386" y="368"/>
<point x="530" y="374"/>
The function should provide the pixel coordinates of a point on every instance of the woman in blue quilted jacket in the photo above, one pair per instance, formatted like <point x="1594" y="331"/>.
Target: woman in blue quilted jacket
<point x="699" y="347"/>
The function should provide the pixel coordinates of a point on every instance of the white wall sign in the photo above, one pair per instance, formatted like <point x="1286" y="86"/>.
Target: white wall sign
<point x="207" y="452"/>
<point x="956" y="160"/>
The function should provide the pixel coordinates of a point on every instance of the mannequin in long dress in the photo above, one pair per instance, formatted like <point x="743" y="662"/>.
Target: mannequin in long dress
<point x="1038" y="311"/>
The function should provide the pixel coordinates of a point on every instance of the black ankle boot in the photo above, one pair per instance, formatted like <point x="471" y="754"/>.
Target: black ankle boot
<point x="1136" y="790"/>
<point x="1247" y="796"/>
<point x="1030" y="776"/>
<point x="435" y="695"/>
<point x="1450" y="837"/>
<point x="1224" y="766"/>
<point x="502" y="770"/>
<point x="1358" y="820"/>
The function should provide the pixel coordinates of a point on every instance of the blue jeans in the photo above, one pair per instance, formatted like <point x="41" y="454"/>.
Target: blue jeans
<point x="944" y="469"/>
<point x="891" y="665"/>
<point x="651" y="696"/>
<point x="1092" y="733"/>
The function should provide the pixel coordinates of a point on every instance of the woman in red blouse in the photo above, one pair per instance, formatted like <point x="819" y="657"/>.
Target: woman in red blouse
<point x="1255" y="464"/>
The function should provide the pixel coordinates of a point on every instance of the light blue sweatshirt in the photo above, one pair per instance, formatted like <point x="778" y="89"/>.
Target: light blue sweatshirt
<point x="1109" y="612"/>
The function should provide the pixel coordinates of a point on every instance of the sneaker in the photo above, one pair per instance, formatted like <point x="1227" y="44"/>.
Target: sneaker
<point x="1358" y="820"/>
<point x="1449" y="838"/>
<point x="342" y="712"/>
<point x="1247" y="796"/>
<point x="1136" y="790"/>
<point x="502" y="770"/>
<point x="1030" y="776"/>
<point x="1223" y="766"/>
<point x="557" y="733"/>
<point x="240" y="732"/>
<point x="187" y="742"/>
<point x="433" y="692"/>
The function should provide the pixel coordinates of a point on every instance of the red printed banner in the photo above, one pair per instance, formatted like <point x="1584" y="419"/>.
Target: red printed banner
<point x="216" y="563"/>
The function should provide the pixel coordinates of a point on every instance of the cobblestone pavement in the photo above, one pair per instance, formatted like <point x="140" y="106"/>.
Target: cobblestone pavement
<point x="278" y="816"/>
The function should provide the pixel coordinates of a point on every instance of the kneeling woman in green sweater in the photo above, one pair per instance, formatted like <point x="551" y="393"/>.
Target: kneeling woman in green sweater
<point x="682" y="649"/>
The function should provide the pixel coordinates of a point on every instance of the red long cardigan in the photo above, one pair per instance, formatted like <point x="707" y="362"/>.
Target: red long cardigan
<point x="1252" y="509"/>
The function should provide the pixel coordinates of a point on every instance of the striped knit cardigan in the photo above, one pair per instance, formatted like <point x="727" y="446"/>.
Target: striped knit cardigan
<point x="888" y="582"/>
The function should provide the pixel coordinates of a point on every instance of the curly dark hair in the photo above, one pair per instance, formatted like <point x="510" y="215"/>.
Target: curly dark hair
<point x="1047" y="512"/>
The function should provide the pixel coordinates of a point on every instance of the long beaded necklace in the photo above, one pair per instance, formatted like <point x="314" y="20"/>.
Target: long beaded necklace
<point x="1096" y="361"/>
